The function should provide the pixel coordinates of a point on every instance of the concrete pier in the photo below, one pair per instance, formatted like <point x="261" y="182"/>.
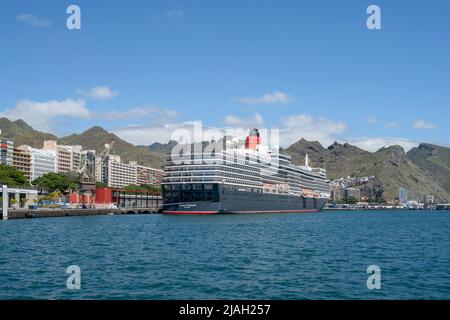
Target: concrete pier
<point x="5" y="203"/>
<point x="48" y="213"/>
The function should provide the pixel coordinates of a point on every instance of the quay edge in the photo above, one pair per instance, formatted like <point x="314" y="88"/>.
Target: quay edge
<point x="42" y="213"/>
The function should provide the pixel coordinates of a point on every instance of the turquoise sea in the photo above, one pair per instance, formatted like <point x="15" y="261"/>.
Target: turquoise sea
<point x="273" y="256"/>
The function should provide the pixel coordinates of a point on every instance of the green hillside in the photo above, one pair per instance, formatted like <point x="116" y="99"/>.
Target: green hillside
<point x="435" y="161"/>
<point x="96" y="137"/>
<point x="21" y="133"/>
<point x="390" y="166"/>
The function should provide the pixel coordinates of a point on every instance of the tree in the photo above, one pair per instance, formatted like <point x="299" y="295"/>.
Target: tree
<point x="55" y="182"/>
<point x="12" y="177"/>
<point x="101" y="185"/>
<point x="380" y="200"/>
<point x="144" y="187"/>
<point x="352" y="200"/>
<point x="348" y="200"/>
<point x="51" y="196"/>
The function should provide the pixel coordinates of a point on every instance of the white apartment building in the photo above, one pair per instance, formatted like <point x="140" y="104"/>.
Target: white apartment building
<point x="6" y="152"/>
<point x="149" y="176"/>
<point x="77" y="153"/>
<point x="117" y="174"/>
<point x="68" y="158"/>
<point x="42" y="161"/>
<point x="99" y="170"/>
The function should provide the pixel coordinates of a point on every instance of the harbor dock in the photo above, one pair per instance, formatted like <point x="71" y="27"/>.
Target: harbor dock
<point x="48" y="213"/>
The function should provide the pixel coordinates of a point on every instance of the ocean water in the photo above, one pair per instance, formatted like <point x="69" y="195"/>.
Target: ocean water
<point x="281" y="256"/>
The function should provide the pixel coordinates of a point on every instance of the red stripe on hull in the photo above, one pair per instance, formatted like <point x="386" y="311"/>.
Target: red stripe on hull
<point x="215" y="212"/>
<point x="279" y="211"/>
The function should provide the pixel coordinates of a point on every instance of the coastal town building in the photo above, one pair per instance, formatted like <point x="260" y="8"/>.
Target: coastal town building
<point x="352" y="193"/>
<point x="428" y="199"/>
<point x="149" y="176"/>
<point x="53" y="157"/>
<point x="117" y="174"/>
<point x="22" y="162"/>
<point x="68" y="158"/>
<point x="42" y="161"/>
<point x="6" y="152"/>
<point x="337" y="194"/>
<point x="18" y="198"/>
<point x="403" y="196"/>
<point x="98" y="167"/>
<point x="76" y="157"/>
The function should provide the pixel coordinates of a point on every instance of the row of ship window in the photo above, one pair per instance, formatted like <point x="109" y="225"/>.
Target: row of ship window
<point x="303" y="175"/>
<point x="236" y="171"/>
<point x="195" y="186"/>
<point x="255" y="182"/>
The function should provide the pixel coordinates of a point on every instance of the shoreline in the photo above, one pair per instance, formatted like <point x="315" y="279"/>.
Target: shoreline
<point x="53" y="213"/>
<point x="380" y="209"/>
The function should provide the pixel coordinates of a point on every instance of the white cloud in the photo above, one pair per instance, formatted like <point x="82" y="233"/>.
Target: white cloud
<point x="303" y="126"/>
<point x="324" y="130"/>
<point x="374" y="144"/>
<point x="33" y="20"/>
<point x="40" y="115"/>
<point x="292" y="129"/>
<point x="276" y="97"/>
<point x="371" y="120"/>
<point x="175" y="14"/>
<point x="423" y="125"/>
<point x="392" y="124"/>
<point x="234" y="121"/>
<point x="99" y="93"/>
<point x="139" y="113"/>
<point x="148" y="134"/>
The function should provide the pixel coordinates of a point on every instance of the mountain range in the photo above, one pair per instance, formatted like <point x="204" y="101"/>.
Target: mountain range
<point x="93" y="139"/>
<point x="424" y="170"/>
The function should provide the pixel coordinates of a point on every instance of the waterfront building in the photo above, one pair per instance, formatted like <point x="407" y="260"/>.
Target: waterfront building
<point x="352" y="193"/>
<point x="337" y="194"/>
<point x="63" y="155"/>
<point x="403" y="196"/>
<point x="98" y="165"/>
<point x="428" y="199"/>
<point x="42" y="161"/>
<point x="6" y="152"/>
<point x="443" y="206"/>
<point x="22" y="162"/>
<point x="117" y="174"/>
<point x="68" y="158"/>
<point x="23" y="198"/>
<point x="76" y="157"/>
<point x="149" y="176"/>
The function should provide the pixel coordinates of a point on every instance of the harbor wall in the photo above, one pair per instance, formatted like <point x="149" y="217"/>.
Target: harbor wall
<point x="43" y="213"/>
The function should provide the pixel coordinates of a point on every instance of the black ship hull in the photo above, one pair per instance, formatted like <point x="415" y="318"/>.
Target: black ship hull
<point x="233" y="201"/>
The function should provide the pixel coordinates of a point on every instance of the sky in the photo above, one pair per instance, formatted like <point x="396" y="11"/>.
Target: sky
<point x="309" y="68"/>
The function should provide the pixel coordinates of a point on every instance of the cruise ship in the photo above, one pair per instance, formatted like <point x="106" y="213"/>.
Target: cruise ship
<point x="250" y="179"/>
